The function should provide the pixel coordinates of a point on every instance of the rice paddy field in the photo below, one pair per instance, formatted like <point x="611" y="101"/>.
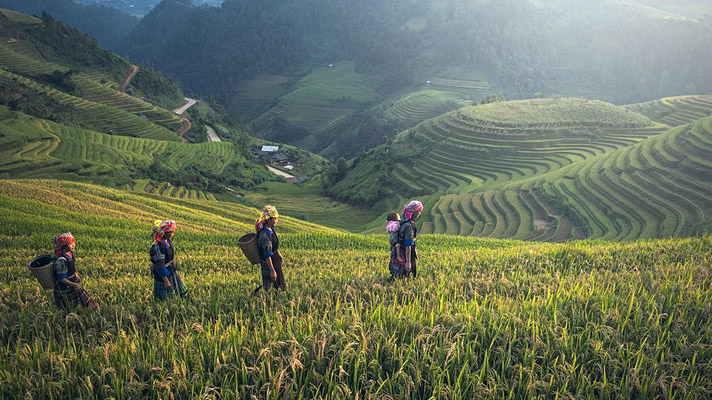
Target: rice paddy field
<point x="36" y="148"/>
<point x="97" y="105"/>
<point x="484" y="318"/>
<point x="675" y="111"/>
<point x="659" y="187"/>
<point x="325" y="97"/>
<point x="307" y="202"/>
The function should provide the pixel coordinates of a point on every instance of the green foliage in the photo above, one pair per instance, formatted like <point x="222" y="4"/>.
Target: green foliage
<point x="109" y="26"/>
<point x="484" y="318"/>
<point x="60" y="80"/>
<point x="19" y="97"/>
<point x="675" y="111"/>
<point x="158" y="89"/>
<point x="37" y="148"/>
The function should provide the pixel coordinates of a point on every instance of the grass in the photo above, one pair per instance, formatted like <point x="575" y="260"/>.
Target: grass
<point x="480" y="148"/>
<point x="98" y="107"/>
<point x="675" y="111"/>
<point x="325" y="97"/>
<point x="306" y="202"/>
<point x="37" y="148"/>
<point x="484" y="319"/>
<point x="657" y="188"/>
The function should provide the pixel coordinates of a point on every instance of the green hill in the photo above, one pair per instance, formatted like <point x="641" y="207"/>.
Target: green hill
<point x="80" y="83"/>
<point x="39" y="148"/>
<point x="483" y="146"/>
<point x="88" y="128"/>
<point x="485" y="318"/>
<point x="675" y="111"/>
<point x="659" y="187"/>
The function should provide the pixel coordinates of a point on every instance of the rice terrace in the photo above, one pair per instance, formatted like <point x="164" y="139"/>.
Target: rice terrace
<point x="564" y="242"/>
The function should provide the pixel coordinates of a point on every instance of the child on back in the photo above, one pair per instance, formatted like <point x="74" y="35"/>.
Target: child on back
<point x="397" y="262"/>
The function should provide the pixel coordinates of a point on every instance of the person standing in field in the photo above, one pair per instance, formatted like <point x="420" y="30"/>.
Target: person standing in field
<point x="407" y="234"/>
<point x="166" y="279"/>
<point x="67" y="290"/>
<point x="397" y="262"/>
<point x="268" y="249"/>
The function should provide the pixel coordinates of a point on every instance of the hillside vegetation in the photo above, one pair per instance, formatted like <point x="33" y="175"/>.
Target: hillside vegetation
<point x="39" y="148"/>
<point x="657" y="188"/>
<point x="484" y="318"/>
<point x="108" y="25"/>
<point x="547" y="170"/>
<point x="268" y="61"/>
<point x="486" y="145"/>
<point x="675" y="111"/>
<point x="45" y="63"/>
<point x="49" y="41"/>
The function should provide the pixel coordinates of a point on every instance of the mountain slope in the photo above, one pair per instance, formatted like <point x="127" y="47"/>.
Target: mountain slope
<point x="659" y="187"/>
<point x="487" y="145"/>
<point x="39" y="148"/>
<point x="584" y="320"/>
<point x="260" y="58"/>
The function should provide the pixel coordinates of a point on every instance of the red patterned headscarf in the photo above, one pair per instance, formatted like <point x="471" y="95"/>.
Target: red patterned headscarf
<point x="160" y="228"/>
<point x="62" y="240"/>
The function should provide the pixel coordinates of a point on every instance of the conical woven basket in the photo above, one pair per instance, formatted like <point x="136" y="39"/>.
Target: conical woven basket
<point x="248" y="244"/>
<point x="42" y="268"/>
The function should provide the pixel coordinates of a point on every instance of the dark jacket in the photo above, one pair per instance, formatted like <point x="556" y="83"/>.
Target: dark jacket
<point x="162" y="255"/>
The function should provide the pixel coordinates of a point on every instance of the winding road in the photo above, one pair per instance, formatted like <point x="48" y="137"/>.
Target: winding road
<point x="186" y="106"/>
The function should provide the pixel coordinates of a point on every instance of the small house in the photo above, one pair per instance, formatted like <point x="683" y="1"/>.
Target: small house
<point x="270" y="149"/>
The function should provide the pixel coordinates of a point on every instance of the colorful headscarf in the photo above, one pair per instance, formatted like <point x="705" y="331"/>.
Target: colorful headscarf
<point x="392" y="226"/>
<point x="411" y="208"/>
<point x="267" y="213"/>
<point x="62" y="240"/>
<point x="160" y="228"/>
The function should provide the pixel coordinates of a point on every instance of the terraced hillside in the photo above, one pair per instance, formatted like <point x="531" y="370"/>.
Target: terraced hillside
<point x="577" y="320"/>
<point x="439" y="94"/>
<point x="81" y="208"/>
<point x="32" y="148"/>
<point x="324" y="98"/>
<point x="98" y="104"/>
<point x="675" y="111"/>
<point x="660" y="187"/>
<point x="485" y="146"/>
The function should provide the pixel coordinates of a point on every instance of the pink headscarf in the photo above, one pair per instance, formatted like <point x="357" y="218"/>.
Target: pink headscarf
<point x="393" y="226"/>
<point x="411" y="208"/>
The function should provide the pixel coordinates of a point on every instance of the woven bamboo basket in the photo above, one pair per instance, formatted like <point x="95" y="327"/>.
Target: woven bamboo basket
<point x="42" y="268"/>
<point x="248" y="244"/>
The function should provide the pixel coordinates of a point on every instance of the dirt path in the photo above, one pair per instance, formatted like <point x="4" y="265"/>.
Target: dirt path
<point x="125" y="83"/>
<point x="212" y="136"/>
<point x="186" y="125"/>
<point x="280" y="173"/>
<point x="186" y="106"/>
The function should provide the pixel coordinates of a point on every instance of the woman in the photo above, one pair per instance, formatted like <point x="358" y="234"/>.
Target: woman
<point x="268" y="249"/>
<point x="67" y="290"/>
<point x="407" y="234"/>
<point x="166" y="280"/>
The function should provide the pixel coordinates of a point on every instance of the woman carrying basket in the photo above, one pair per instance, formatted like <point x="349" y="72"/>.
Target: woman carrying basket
<point x="406" y="236"/>
<point x="268" y="249"/>
<point x="166" y="280"/>
<point x="67" y="290"/>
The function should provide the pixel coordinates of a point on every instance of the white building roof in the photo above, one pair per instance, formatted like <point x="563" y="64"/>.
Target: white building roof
<point x="270" y="149"/>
